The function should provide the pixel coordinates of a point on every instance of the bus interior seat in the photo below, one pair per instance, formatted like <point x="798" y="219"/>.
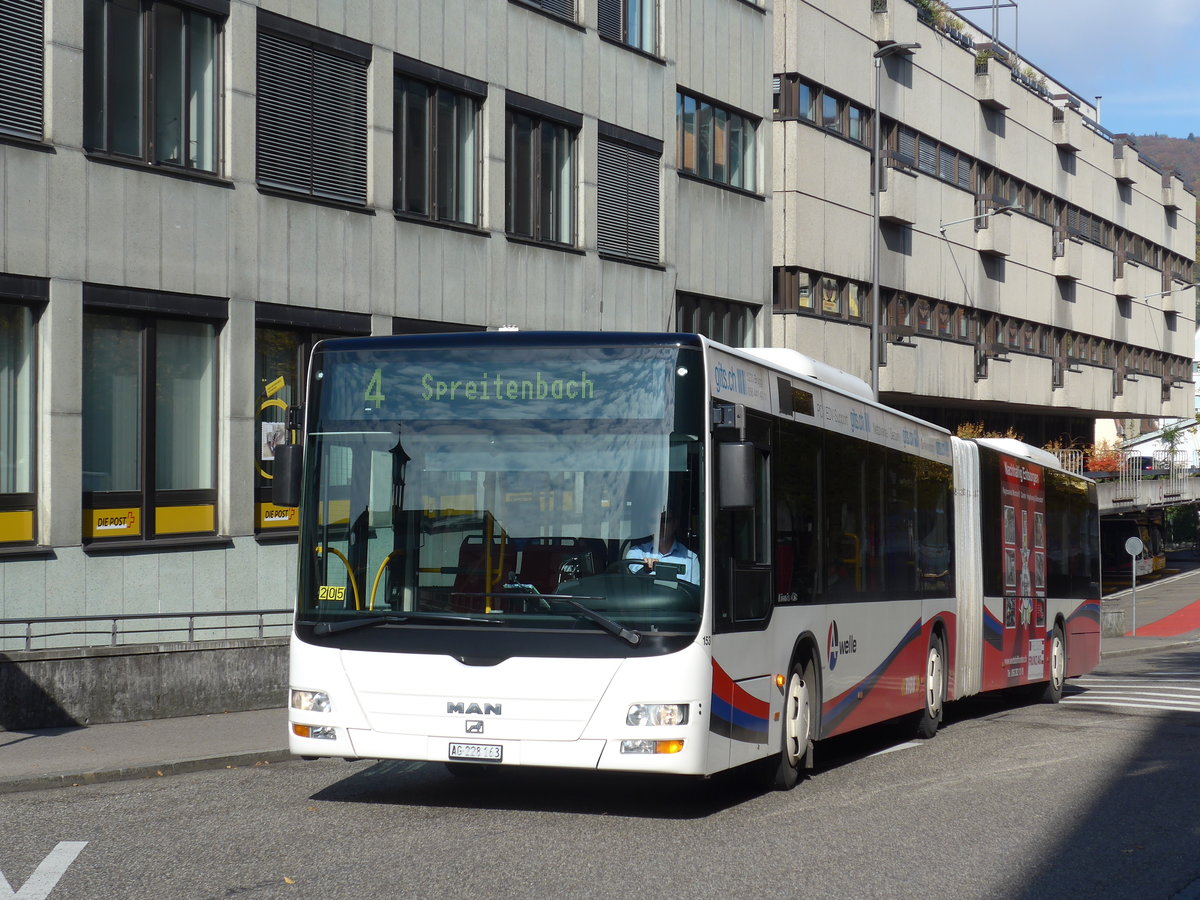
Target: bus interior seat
<point x="471" y="578"/>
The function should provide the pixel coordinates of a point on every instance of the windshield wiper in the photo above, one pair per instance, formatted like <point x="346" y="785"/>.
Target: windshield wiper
<point x="614" y="628"/>
<point x="372" y="621"/>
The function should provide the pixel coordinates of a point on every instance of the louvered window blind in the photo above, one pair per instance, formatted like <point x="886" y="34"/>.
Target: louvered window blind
<point x="21" y="68"/>
<point x="312" y="119"/>
<point x="627" y="207"/>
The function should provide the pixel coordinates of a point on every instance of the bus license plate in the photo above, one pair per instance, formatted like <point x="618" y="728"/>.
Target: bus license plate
<point x="479" y="752"/>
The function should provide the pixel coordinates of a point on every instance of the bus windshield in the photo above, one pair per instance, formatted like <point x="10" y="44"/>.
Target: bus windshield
<point x="529" y="489"/>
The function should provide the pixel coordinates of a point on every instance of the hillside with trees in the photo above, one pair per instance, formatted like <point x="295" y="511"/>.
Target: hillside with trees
<point x="1182" y="154"/>
<point x="1179" y="154"/>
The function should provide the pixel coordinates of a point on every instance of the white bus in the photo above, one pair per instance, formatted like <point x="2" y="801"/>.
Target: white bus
<point x="655" y="553"/>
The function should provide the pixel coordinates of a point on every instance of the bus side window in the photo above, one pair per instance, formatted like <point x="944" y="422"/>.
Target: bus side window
<point x="845" y="533"/>
<point x="794" y="496"/>
<point x="744" y="553"/>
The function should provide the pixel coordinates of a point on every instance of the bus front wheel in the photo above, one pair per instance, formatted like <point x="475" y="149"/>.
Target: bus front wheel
<point x="796" y="752"/>
<point x="930" y="717"/>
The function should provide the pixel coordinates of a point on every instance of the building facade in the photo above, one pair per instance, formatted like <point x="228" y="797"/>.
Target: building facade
<point x="1035" y="272"/>
<point x="195" y="191"/>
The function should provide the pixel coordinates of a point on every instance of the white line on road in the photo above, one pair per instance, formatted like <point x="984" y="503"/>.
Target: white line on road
<point x="1082" y="701"/>
<point x="907" y="746"/>
<point x="46" y="875"/>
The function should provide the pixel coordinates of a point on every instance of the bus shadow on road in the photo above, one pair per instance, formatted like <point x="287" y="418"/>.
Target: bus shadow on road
<point x="544" y="790"/>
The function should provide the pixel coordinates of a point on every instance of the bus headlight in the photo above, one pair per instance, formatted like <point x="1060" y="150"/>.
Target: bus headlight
<point x="310" y="701"/>
<point x="657" y="714"/>
<point x="320" y="732"/>
<point x="651" y="746"/>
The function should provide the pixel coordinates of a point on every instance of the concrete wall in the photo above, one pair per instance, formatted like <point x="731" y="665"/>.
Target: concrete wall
<point x="63" y="688"/>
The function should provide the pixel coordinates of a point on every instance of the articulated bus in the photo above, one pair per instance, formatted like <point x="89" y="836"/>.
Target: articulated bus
<point x="655" y="553"/>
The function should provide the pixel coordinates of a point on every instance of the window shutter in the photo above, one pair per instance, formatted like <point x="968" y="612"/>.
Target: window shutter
<point x="312" y="120"/>
<point x="610" y="19"/>
<point x="927" y="156"/>
<point x="339" y="146"/>
<point x="643" y="206"/>
<point x="284" y="128"/>
<point x="906" y="145"/>
<point x="612" y="177"/>
<point x="21" y="68"/>
<point x="627" y="214"/>
<point x="964" y="173"/>
<point x="946" y="161"/>
<point x="564" y="8"/>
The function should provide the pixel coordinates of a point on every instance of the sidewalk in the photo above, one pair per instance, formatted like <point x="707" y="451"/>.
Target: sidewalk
<point x="1168" y="603"/>
<point x="63" y="757"/>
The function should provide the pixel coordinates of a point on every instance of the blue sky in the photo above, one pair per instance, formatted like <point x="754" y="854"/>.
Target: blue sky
<point x="1141" y="56"/>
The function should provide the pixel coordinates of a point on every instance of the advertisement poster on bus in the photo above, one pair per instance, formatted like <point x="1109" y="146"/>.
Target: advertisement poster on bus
<point x="1023" y="544"/>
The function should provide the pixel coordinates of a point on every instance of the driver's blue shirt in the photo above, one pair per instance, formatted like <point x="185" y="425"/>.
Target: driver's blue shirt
<point x="679" y="555"/>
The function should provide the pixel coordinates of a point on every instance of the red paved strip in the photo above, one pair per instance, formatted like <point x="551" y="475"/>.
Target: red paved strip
<point x="1181" y="622"/>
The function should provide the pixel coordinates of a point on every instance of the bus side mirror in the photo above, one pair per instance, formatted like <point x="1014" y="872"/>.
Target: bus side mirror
<point x="285" y="483"/>
<point x="736" y="482"/>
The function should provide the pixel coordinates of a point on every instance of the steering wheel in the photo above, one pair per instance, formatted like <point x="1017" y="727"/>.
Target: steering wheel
<point x="630" y="566"/>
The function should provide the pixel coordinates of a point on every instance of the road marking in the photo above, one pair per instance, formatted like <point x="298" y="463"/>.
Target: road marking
<point x="907" y="746"/>
<point x="1084" y="701"/>
<point x="1169" y="692"/>
<point x="46" y="875"/>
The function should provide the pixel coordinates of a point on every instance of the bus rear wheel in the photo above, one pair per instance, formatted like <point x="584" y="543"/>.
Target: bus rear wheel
<point x="930" y="717"/>
<point x="1052" y="690"/>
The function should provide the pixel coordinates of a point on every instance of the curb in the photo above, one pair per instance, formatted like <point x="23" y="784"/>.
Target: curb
<point x="21" y="783"/>
<point x="1153" y="648"/>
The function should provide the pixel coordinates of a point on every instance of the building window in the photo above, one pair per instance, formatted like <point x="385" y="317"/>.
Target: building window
<point x="632" y="22"/>
<point x="312" y="111"/>
<point x="831" y="298"/>
<point x="831" y="113"/>
<point x="150" y="82"/>
<point x="283" y="342"/>
<point x="541" y="174"/>
<point x="18" y="451"/>
<point x="627" y="189"/>
<point x="22" y="57"/>
<point x="726" y="321"/>
<point x="855" y="116"/>
<point x="792" y="290"/>
<point x="149" y="414"/>
<point x="437" y="148"/>
<point x="715" y="143"/>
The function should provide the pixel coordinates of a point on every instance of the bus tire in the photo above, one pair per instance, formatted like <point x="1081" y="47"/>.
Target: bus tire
<point x="1052" y="690"/>
<point x="930" y="716"/>
<point x="796" y="753"/>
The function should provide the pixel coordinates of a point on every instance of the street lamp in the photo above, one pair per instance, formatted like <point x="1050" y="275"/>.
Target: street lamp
<point x="895" y="48"/>
<point x="987" y="215"/>
<point x="1182" y="287"/>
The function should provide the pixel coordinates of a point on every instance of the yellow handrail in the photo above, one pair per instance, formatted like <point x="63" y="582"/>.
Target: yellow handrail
<point x="353" y="583"/>
<point x="378" y="575"/>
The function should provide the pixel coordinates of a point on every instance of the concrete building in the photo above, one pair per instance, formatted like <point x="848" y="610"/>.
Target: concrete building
<point x="1074" y="305"/>
<point x="194" y="191"/>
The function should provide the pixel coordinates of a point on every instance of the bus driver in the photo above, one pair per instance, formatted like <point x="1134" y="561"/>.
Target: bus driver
<point x="668" y="550"/>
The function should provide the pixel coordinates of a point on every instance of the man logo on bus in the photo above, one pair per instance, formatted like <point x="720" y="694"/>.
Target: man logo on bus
<point x="836" y="647"/>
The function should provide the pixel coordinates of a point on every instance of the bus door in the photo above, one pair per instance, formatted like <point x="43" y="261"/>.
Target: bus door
<point x="742" y="588"/>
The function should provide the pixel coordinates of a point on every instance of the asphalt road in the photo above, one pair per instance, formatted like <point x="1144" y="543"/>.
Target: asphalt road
<point x="1096" y="797"/>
